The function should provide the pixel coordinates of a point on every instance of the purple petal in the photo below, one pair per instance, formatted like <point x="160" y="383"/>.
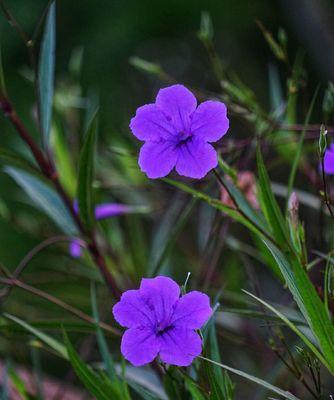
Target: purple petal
<point x="209" y="121"/>
<point x="196" y="158"/>
<point x="140" y="346"/>
<point x="160" y="294"/>
<point x="157" y="159"/>
<point x="192" y="310"/>
<point x="131" y="311"/>
<point x="150" y="123"/>
<point x="108" y="210"/>
<point x="180" y="346"/>
<point x="329" y="160"/>
<point x="178" y="103"/>
<point x="75" y="249"/>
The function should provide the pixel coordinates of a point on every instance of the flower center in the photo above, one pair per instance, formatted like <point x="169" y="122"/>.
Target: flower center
<point x="162" y="328"/>
<point x="183" y="138"/>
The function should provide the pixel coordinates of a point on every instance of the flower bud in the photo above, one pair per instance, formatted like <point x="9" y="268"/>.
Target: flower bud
<point x="322" y="141"/>
<point x="293" y="208"/>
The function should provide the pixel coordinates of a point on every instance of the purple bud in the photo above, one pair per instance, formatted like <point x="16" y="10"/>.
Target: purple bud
<point x="108" y="210"/>
<point x="75" y="248"/>
<point x="293" y="207"/>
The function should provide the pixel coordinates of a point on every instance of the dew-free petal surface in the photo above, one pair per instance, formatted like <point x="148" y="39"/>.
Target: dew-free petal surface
<point x="329" y="160"/>
<point x="140" y="346"/>
<point x="196" y="158"/>
<point x="157" y="159"/>
<point x="178" y="103"/>
<point x="131" y="311"/>
<point x="180" y="346"/>
<point x="192" y="310"/>
<point x="161" y="294"/>
<point x="150" y="123"/>
<point x="209" y="121"/>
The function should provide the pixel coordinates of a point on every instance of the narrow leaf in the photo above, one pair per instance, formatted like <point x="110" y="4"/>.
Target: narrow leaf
<point x="269" y="204"/>
<point x="300" y="146"/>
<point x="98" y="387"/>
<point x="45" y="198"/>
<point x="86" y="172"/>
<point x="46" y="72"/>
<point x="254" y="379"/>
<point x="308" y="302"/>
<point x="292" y="326"/>
<point x="48" y="340"/>
<point x="103" y="347"/>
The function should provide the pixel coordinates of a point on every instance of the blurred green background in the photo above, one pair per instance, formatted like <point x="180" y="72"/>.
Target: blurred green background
<point x="164" y="32"/>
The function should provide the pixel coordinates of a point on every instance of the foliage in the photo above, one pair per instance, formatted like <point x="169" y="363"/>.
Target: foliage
<point x="274" y="339"/>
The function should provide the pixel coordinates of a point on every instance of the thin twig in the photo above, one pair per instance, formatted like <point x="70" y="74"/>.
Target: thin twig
<point x="48" y="170"/>
<point x="78" y="313"/>
<point x="29" y="256"/>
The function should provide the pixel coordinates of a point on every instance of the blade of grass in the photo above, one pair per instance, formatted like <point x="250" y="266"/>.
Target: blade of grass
<point x="58" y="347"/>
<point x="85" y="177"/>
<point x="254" y="379"/>
<point x="293" y="327"/>
<point x="46" y="73"/>
<point x="308" y="302"/>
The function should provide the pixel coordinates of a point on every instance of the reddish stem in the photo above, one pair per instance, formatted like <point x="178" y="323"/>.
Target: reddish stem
<point x="48" y="170"/>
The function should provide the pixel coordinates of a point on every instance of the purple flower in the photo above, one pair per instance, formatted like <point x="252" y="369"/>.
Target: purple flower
<point x="161" y="322"/>
<point x="329" y="160"/>
<point x="177" y="134"/>
<point x="102" y="211"/>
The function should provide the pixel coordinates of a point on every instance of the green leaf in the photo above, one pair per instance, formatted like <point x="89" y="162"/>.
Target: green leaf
<point x="143" y="392"/>
<point x="46" y="72"/>
<point x="293" y="86"/>
<point x="308" y="302"/>
<point x="293" y="327"/>
<point x="8" y="157"/>
<point x="231" y="212"/>
<point x="269" y="204"/>
<point x="258" y="381"/>
<point x="103" y="347"/>
<point x="300" y="146"/>
<point x="173" y="384"/>
<point x="284" y="140"/>
<point x="45" y="198"/>
<point x="96" y="384"/>
<point x="220" y="382"/>
<point x="274" y="45"/>
<point x="193" y="388"/>
<point x="63" y="160"/>
<point x="86" y="172"/>
<point x="48" y="340"/>
<point x="329" y="273"/>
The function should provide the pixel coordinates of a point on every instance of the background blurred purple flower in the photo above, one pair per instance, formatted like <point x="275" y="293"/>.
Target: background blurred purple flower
<point x="329" y="160"/>
<point x="105" y="210"/>
<point x="161" y="322"/>
<point x="176" y="133"/>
